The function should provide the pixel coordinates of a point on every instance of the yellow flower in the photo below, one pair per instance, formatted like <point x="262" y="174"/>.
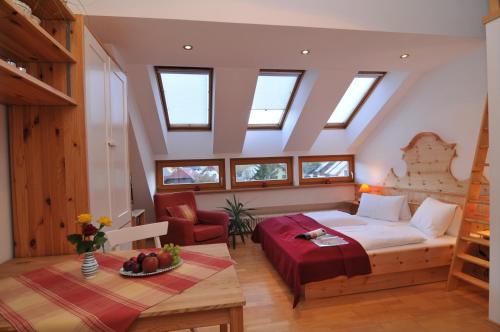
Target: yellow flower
<point x="84" y="218"/>
<point x="105" y="221"/>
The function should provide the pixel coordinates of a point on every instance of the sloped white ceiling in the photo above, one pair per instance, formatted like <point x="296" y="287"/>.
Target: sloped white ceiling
<point x="234" y="90"/>
<point x="327" y="90"/>
<point x="238" y="51"/>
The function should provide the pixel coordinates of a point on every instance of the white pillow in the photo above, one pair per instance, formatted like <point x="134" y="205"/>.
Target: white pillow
<point x="380" y="207"/>
<point x="454" y="227"/>
<point x="433" y="217"/>
<point x="405" y="214"/>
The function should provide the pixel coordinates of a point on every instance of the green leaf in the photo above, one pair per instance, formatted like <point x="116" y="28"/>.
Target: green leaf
<point x="99" y="241"/>
<point x="74" y="238"/>
<point x="99" y="234"/>
<point x="84" y="246"/>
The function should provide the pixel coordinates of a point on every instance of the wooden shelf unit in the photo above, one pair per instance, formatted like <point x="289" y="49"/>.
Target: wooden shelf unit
<point x="21" y="89"/>
<point x="50" y="10"/>
<point x="23" y="40"/>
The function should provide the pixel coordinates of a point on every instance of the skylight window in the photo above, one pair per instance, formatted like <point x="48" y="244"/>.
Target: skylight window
<point x="186" y="96"/>
<point x="273" y="97"/>
<point x="355" y="96"/>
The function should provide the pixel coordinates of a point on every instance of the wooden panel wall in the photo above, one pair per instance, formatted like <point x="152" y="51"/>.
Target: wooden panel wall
<point x="48" y="158"/>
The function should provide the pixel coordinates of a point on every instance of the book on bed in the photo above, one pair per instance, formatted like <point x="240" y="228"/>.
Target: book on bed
<point x="328" y="240"/>
<point x="320" y="238"/>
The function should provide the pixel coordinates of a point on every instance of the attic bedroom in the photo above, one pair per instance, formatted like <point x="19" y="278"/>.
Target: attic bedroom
<point x="249" y="165"/>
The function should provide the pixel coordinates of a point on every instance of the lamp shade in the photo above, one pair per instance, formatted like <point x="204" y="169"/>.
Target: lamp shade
<point x="364" y="188"/>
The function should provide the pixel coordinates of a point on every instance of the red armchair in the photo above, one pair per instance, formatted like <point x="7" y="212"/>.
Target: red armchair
<point x="211" y="227"/>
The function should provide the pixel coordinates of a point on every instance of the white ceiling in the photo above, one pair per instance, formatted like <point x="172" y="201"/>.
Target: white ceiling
<point x="236" y="52"/>
<point x="160" y="41"/>
<point x="443" y="17"/>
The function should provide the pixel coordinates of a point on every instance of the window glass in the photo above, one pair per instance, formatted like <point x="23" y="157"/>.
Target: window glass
<point x="190" y="174"/>
<point x="273" y="94"/>
<point x="325" y="169"/>
<point x="186" y="97"/>
<point x="261" y="172"/>
<point x="358" y="91"/>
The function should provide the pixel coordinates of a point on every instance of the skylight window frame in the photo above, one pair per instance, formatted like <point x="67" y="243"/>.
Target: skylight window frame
<point x="181" y="70"/>
<point x="344" y="125"/>
<point x="279" y="125"/>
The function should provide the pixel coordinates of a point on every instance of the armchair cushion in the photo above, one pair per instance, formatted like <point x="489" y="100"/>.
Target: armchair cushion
<point x="213" y="217"/>
<point x="183" y="211"/>
<point x="207" y="232"/>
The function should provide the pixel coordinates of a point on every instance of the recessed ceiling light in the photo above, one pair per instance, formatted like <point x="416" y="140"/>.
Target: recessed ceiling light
<point x="404" y="55"/>
<point x="187" y="47"/>
<point x="305" y="52"/>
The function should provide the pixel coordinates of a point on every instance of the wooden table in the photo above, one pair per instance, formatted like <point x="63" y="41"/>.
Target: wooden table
<point x="217" y="300"/>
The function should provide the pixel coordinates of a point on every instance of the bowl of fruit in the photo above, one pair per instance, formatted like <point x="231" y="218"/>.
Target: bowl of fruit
<point x="144" y="265"/>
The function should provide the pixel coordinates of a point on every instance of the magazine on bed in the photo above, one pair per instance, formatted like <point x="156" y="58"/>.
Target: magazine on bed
<point x="320" y="238"/>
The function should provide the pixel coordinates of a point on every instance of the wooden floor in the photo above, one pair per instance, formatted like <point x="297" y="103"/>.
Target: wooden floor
<point x="418" y="308"/>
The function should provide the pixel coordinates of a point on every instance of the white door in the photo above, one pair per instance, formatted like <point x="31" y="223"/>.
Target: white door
<point x="118" y="148"/>
<point x="96" y="109"/>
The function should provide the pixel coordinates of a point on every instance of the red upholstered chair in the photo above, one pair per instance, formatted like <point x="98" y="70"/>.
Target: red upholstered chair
<point x="211" y="226"/>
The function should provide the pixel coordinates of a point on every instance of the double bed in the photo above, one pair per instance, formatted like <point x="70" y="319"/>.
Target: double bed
<point x="398" y="254"/>
<point x="382" y="251"/>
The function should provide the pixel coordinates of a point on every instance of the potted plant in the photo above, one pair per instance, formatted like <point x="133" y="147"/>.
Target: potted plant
<point x="237" y="225"/>
<point x="89" y="240"/>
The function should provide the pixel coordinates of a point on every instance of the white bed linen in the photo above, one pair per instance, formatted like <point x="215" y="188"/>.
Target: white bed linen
<point x="374" y="234"/>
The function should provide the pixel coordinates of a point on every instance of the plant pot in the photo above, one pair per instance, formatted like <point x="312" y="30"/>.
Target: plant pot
<point x="89" y="265"/>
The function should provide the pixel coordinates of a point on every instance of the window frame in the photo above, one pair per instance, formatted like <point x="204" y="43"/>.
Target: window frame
<point x="172" y="69"/>
<point x="263" y="160"/>
<point x="344" y="125"/>
<point x="279" y="126"/>
<point x="160" y="164"/>
<point x="327" y="180"/>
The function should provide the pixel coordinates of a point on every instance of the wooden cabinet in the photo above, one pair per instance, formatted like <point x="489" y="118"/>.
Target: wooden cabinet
<point x="107" y="140"/>
<point x="47" y="133"/>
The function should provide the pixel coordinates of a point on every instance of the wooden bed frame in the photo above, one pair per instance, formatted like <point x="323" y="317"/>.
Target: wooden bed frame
<point x="428" y="174"/>
<point x="389" y="270"/>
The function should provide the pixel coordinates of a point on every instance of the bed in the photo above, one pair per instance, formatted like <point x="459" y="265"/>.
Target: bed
<point x="392" y="266"/>
<point x="396" y="253"/>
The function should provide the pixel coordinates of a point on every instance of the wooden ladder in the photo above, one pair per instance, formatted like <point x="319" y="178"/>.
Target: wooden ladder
<point x="471" y="249"/>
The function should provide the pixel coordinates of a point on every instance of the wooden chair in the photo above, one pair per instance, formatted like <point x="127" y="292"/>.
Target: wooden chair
<point x="130" y="234"/>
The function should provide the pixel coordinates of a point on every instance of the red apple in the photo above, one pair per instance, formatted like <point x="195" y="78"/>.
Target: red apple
<point x="149" y="264"/>
<point x="128" y="265"/>
<point x="133" y="259"/>
<point x="165" y="260"/>
<point x="141" y="257"/>
<point x="136" y="268"/>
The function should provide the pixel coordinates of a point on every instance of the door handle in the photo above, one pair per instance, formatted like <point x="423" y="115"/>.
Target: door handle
<point x="111" y="144"/>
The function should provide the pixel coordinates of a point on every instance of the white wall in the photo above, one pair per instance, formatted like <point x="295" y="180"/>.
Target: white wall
<point x="493" y="53"/>
<point x="448" y="101"/>
<point x="278" y="197"/>
<point x="6" y="242"/>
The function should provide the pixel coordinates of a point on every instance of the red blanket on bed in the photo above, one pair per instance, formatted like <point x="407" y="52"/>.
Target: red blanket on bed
<point x="300" y="261"/>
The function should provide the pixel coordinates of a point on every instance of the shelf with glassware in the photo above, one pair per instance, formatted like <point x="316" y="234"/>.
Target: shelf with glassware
<point x="31" y="58"/>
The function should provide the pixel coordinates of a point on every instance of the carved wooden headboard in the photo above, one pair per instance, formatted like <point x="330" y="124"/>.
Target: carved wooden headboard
<point x="428" y="161"/>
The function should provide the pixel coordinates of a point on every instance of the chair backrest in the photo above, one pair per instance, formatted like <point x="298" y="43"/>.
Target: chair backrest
<point x="129" y="234"/>
<point x="164" y="200"/>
